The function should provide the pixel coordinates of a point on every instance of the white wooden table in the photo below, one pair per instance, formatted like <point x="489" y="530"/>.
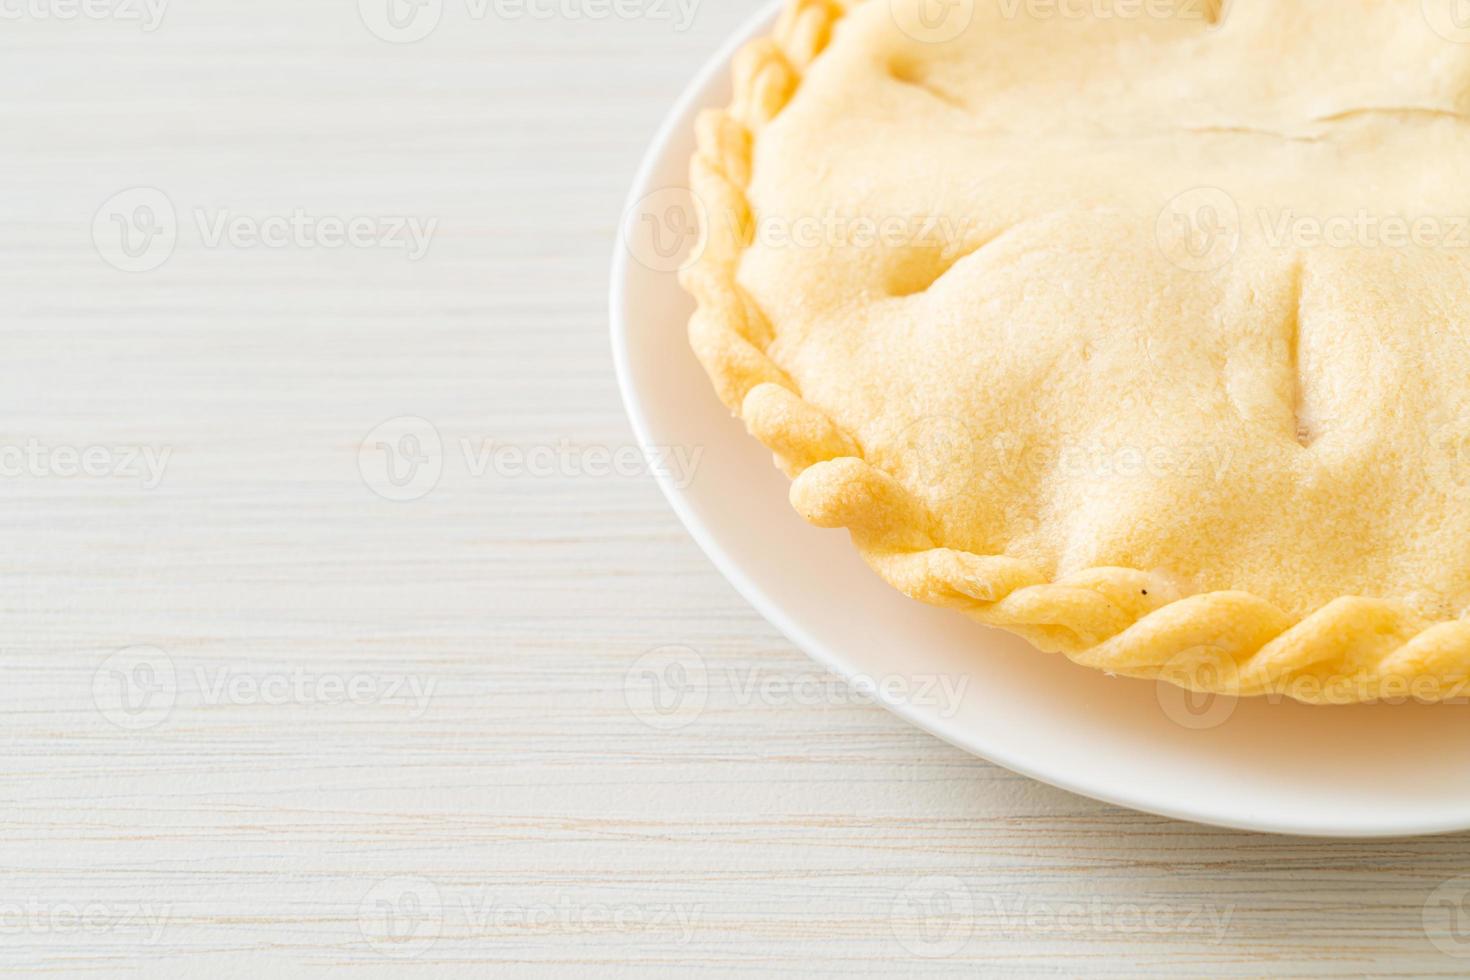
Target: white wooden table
<point x="259" y="719"/>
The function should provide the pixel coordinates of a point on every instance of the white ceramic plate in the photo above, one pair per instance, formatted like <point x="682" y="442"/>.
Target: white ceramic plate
<point x="1382" y="770"/>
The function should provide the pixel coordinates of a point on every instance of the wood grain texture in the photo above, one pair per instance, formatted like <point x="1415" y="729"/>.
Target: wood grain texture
<point x="429" y="715"/>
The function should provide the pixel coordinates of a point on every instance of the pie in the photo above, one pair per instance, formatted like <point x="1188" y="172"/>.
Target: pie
<point x="1140" y="328"/>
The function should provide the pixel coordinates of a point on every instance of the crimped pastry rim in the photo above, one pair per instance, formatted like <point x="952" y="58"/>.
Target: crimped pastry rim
<point x="1352" y="649"/>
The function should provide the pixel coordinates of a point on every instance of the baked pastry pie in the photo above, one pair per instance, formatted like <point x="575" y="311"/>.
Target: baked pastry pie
<point x="1138" y="327"/>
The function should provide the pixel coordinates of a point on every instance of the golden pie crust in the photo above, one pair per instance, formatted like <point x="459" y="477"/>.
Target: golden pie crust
<point x="1140" y="328"/>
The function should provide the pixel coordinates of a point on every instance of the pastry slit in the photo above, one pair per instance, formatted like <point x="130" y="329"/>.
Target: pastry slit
<point x="1305" y="427"/>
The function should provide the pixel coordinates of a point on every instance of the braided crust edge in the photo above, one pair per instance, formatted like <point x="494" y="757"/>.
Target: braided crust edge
<point x="1113" y="619"/>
